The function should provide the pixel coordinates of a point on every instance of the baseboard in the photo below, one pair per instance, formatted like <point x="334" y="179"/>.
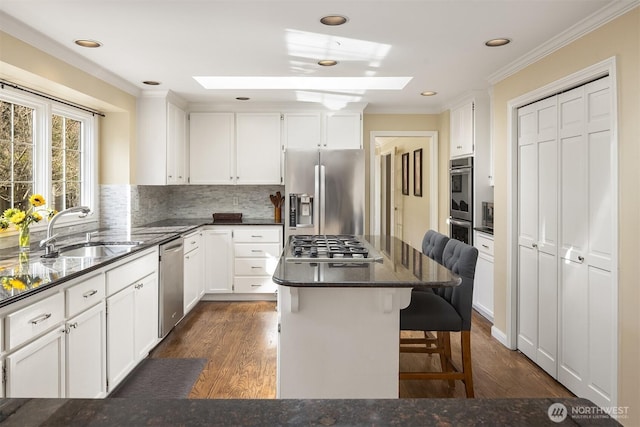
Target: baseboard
<point x="501" y="337"/>
<point x="238" y="297"/>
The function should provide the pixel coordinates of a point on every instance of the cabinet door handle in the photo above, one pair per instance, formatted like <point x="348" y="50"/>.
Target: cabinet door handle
<point x="90" y="293"/>
<point x="39" y="319"/>
<point x="74" y="325"/>
<point x="139" y="286"/>
<point x="581" y="259"/>
<point x="485" y="246"/>
<point x="535" y="245"/>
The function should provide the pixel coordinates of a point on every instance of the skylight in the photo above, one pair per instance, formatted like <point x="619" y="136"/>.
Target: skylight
<point x="303" y="83"/>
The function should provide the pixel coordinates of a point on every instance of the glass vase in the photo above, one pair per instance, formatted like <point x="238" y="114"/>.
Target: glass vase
<point x="24" y="239"/>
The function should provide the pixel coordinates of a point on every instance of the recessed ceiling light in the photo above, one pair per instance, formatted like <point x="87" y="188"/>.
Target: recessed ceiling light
<point x="151" y="82"/>
<point x="243" y="98"/>
<point x="428" y="93"/>
<point x="87" y="43"/>
<point x="497" y="42"/>
<point x="327" y="62"/>
<point x="333" y="20"/>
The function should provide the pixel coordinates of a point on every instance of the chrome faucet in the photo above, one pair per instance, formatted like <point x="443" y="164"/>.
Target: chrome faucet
<point x="50" y="242"/>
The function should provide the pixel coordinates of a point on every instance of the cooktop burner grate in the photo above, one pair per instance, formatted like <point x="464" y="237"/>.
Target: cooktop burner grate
<point x="328" y="247"/>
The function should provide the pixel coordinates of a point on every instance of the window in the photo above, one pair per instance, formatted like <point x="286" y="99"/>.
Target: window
<point x="66" y="163"/>
<point x="45" y="148"/>
<point x="16" y="155"/>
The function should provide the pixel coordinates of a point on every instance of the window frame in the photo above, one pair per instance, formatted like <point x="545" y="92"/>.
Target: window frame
<point x="44" y="109"/>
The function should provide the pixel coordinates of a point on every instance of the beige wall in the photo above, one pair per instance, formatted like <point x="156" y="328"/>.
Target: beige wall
<point x="25" y="65"/>
<point x="413" y="122"/>
<point x="619" y="38"/>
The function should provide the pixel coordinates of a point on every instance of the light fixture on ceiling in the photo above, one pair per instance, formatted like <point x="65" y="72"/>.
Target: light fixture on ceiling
<point x="333" y="20"/>
<point x="497" y="42"/>
<point x="327" y="62"/>
<point x="428" y="93"/>
<point x="243" y="98"/>
<point x="151" y="82"/>
<point x="87" y="43"/>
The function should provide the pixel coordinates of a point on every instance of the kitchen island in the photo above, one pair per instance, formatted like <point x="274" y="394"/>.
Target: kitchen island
<point x="339" y="320"/>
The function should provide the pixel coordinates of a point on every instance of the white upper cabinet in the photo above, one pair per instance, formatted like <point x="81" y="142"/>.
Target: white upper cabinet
<point x="211" y="150"/>
<point x="462" y="130"/>
<point x="258" y="148"/>
<point x="162" y="139"/>
<point x="343" y="130"/>
<point x="302" y="130"/>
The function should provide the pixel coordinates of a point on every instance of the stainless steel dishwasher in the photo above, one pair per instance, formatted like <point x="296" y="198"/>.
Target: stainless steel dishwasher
<point x="171" y="298"/>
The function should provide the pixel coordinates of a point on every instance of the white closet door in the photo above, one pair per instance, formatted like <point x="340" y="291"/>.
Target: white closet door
<point x="588" y="307"/>
<point x="537" y="252"/>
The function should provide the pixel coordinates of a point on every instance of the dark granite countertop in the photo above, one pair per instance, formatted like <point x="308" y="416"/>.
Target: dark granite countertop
<point x="26" y="274"/>
<point x="401" y="266"/>
<point x="485" y="230"/>
<point x="333" y="412"/>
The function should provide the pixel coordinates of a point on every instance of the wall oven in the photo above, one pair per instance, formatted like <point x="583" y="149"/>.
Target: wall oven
<point x="461" y="196"/>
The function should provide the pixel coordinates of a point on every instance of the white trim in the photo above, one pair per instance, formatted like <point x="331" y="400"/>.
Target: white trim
<point x="608" y="13"/>
<point x="433" y="175"/>
<point x="606" y="67"/>
<point x="500" y="336"/>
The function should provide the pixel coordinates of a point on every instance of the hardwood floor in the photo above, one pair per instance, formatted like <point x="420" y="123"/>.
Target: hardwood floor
<point x="239" y="340"/>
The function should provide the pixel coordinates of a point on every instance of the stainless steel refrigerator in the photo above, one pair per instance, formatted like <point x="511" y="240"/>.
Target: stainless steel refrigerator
<point x="325" y="192"/>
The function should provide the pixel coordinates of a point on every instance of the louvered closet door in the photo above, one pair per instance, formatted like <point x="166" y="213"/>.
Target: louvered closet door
<point x="587" y="306"/>
<point x="537" y="239"/>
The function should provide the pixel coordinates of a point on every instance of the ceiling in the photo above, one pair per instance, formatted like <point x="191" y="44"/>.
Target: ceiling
<point x="439" y="44"/>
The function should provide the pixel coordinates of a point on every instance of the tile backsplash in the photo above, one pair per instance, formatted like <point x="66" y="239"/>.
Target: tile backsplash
<point x="131" y="205"/>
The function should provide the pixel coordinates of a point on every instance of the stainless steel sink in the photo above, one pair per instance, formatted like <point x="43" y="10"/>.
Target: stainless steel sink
<point x="97" y="249"/>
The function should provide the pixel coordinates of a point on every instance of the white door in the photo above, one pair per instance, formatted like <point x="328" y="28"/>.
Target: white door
<point x="211" y="148"/>
<point x="86" y="354"/>
<point x="121" y="355"/>
<point x="218" y="261"/>
<point x="146" y="315"/>
<point x="38" y="370"/>
<point x="258" y="148"/>
<point x="343" y="131"/>
<point x="537" y="239"/>
<point x="193" y="278"/>
<point x="588" y="307"/>
<point x="303" y="130"/>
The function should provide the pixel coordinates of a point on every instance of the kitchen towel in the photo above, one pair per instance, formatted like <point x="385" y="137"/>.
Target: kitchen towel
<point x="161" y="378"/>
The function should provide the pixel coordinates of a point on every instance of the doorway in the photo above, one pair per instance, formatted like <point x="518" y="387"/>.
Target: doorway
<point x="406" y="216"/>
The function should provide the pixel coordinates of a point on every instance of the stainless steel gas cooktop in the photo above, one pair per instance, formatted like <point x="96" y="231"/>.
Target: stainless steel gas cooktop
<point x="325" y="247"/>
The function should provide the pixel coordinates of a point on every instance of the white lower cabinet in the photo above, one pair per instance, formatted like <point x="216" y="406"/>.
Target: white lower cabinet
<point x="38" y="369"/>
<point x="218" y="251"/>
<point x="483" y="281"/>
<point x="193" y="270"/>
<point x="132" y="327"/>
<point x="86" y="362"/>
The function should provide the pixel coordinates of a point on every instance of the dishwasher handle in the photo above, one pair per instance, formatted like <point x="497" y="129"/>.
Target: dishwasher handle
<point x="172" y="247"/>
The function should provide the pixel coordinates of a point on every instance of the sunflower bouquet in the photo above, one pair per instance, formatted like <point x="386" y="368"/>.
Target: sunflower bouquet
<point x="22" y="219"/>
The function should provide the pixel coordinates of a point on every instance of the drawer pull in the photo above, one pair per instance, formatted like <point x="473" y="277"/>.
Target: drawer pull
<point x="255" y="266"/>
<point x="193" y="242"/>
<point x="580" y="258"/>
<point x="255" y="286"/>
<point x="256" y="236"/>
<point x="40" y="319"/>
<point x="74" y="325"/>
<point x="256" y="250"/>
<point x="139" y="286"/>
<point x="485" y="246"/>
<point x="90" y="293"/>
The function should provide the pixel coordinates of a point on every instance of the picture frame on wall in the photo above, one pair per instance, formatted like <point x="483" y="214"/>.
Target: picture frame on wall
<point x="417" y="172"/>
<point x="405" y="174"/>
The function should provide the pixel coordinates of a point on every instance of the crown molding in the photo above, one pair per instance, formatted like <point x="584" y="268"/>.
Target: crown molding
<point x="590" y="23"/>
<point x="41" y="42"/>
